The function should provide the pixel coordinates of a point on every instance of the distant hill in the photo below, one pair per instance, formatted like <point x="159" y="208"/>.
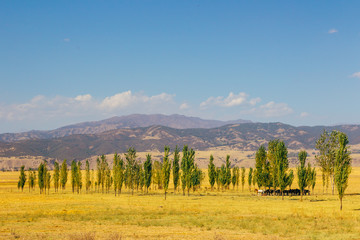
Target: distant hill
<point x="246" y="136"/>
<point x="130" y="121"/>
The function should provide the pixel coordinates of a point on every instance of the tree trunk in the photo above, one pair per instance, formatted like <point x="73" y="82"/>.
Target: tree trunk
<point x="340" y="204"/>
<point x="302" y="192"/>
<point x="282" y="194"/>
<point x="188" y="190"/>
<point x="165" y="195"/>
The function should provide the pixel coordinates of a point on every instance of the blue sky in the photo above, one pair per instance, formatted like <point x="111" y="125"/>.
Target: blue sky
<point x="63" y="62"/>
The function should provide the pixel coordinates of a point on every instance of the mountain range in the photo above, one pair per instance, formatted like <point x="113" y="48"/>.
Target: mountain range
<point x="129" y="121"/>
<point x="117" y="134"/>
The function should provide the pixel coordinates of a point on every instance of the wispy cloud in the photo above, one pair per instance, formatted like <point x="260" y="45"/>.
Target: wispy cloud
<point x="230" y="101"/>
<point x="66" y="39"/>
<point x="42" y="108"/>
<point x="332" y="31"/>
<point x="184" y="106"/>
<point x="355" y="75"/>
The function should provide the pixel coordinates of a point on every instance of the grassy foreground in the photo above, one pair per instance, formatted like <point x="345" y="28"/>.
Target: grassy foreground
<point x="203" y="215"/>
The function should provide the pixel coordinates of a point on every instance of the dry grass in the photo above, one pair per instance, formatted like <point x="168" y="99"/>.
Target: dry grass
<point x="203" y="215"/>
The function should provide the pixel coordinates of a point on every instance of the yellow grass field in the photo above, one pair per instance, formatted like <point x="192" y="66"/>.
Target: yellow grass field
<point x="204" y="214"/>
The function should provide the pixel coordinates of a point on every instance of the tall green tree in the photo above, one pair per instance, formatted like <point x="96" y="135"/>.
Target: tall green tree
<point x="212" y="172"/>
<point x="130" y="157"/>
<point x="74" y="176"/>
<point x="48" y="181"/>
<point x="87" y="176"/>
<point x="342" y="166"/>
<point x="242" y="178"/>
<point x="56" y="176"/>
<point x="262" y="174"/>
<point x="63" y="174"/>
<point x="42" y="176"/>
<point x="250" y="176"/>
<point x="273" y="164"/>
<point x="117" y="173"/>
<point x="187" y="167"/>
<point x="157" y="174"/>
<point x="166" y="169"/>
<point x="284" y="178"/>
<point x="32" y="179"/>
<point x="233" y="177"/>
<point x="147" y="172"/>
<point x="327" y="145"/>
<point x="196" y="178"/>
<point x="176" y="168"/>
<point x="228" y="172"/>
<point x="217" y="178"/>
<point x="313" y="179"/>
<point x="22" y="178"/>
<point x="303" y="173"/>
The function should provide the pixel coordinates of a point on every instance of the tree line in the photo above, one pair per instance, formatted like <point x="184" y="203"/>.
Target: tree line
<point x="126" y="172"/>
<point x="271" y="170"/>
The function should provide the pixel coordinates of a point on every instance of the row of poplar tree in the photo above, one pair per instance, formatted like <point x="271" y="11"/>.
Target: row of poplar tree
<point x="271" y="170"/>
<point x="127" y="172"/>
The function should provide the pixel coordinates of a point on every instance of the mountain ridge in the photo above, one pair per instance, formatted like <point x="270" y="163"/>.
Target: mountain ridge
<point x="245" y="136"/>
<point x="119" y="122"/>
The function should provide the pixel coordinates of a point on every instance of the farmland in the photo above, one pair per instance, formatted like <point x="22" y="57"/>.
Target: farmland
<point x="205" y="214"/>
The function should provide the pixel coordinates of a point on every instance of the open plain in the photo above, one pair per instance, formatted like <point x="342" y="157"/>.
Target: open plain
<point x="205" y="214"/>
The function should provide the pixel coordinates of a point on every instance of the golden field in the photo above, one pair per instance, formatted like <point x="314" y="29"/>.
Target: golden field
<point x="204" y="214"/>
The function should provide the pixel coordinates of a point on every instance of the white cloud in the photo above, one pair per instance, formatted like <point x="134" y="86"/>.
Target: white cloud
<point x="83" y="98"/>
<point x="332" y="31"/>
<point x="355" y="75"/>
<point x="119" y="100"/>
<point x="230" y="101"/>
<point x="66" y="39"/>
<point x="304" y="114"/>
<point x="42" y="108"/>
<point x="184" y="106"/>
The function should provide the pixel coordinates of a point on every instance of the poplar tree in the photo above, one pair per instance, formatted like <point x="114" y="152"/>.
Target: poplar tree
<point x="342" y="166"/>
<point x="42" y="176"/>
<point x="157" y="174"/>
<point x="48" y="180"/>
<point x="273" y="164"/>
<point x="212" y="172"/>
<point x="32" y="179"/>
<point x="73" y="175"/>
<point x="63" y="174"/>
<point x="303" y="173"/>
<point x="130" y="157"/>
<point x="166" y="169"/>
<point x="22" y="178"/>
<point x="250" y="176"/>
<point x="242" y="178"/>
<point x="56" y="176"/>
<point x="233" y="178"/>
<point x="176" y="168"/>
<point x="217" y="178"/>
<point x="98" y="174"/>
<point x="147" y="172"/>
<point x="284" y="178"/>
<point x="262" y="167"/>
<point x="187" y="167"/>
<point x="313" y="179"/>
<point x="87" y="176"/>
<point x="327" y="145"/>
<point x="228" y="172"/>
<point x="117" y="173"/>
<point x="196" y="177"/>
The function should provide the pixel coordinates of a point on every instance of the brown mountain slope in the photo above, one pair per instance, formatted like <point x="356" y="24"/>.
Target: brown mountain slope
<point x="247" y="136"/>
<point x="130" y="121"/>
